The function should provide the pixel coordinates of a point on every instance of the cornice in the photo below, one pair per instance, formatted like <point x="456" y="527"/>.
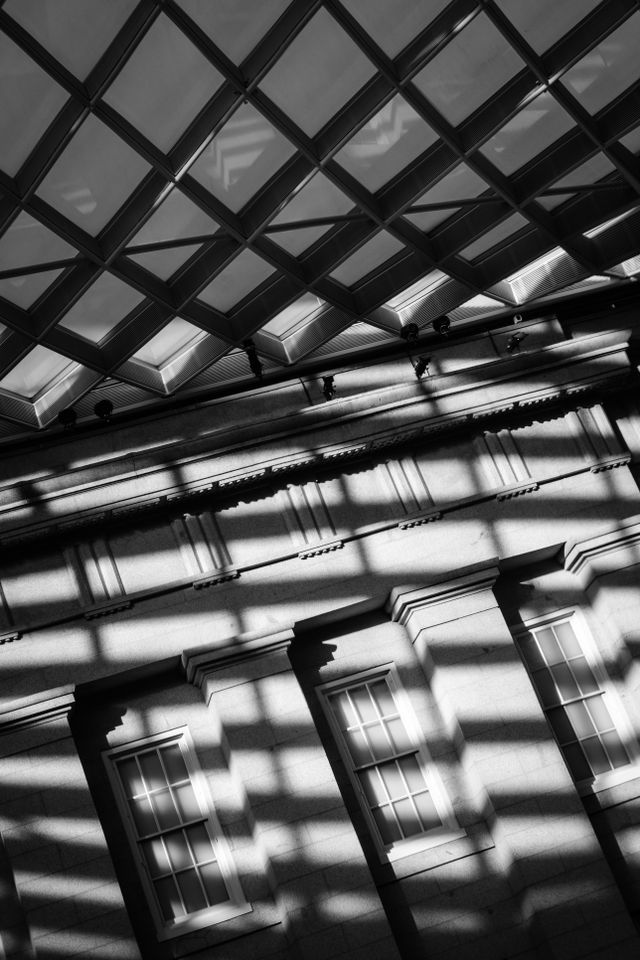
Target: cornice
<point x="38" y="709"/>
<point x="405" y="600"/>
<point x="617" y="548"/>
<point x="416" y="413"/>
<point x="200" y="662"/>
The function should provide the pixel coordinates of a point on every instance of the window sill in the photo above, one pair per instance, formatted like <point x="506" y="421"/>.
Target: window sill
<point x="611" y="788"/>
<point x="419" y="856"/>
<point x="213" y="917"/>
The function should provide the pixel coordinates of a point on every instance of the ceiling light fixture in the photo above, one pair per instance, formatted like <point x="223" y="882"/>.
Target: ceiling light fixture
<point x="254" y="361"/>
<point x="329" y="388"/>
<point x="442" y="325"/>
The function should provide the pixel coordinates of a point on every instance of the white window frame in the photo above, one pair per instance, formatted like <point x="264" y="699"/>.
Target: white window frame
<point x="622" y="724"/>
<point x="449" y="829"/>
<point x="237" y="904"/>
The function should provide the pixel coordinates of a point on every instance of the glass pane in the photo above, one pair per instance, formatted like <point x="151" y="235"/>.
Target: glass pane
<point x="580" y="719"/>
<point x="495" y="236"/>
<point x="36" y="372"/>
<point x="214" y="885"/>
<point x="469" y="70"/>
<point x="98" y="311"/>
<point x="399" y="735"/>
<point x="386" y="824"/>
<point x="130" y="776"/>
<point x="165" y="811"/>
<point x="358" y="747"/>
<point x="178" y="850"/>
<point x="567" y="639"/>
<point x="460" y="184"/>
<point x="93" y="176"/>
<point x="143" y="817"/>
<point x="27" y="242"/>
<point x="174" y="765"/>
<point x="29" y="100"/>
<point x="200" y="842"/>
<point x="427" y="811"/>
<point x="545" y="686"/>
<point x="599" y="713"/>
<point x="527" y="134"/>
<point x="185" y="799"/>
<point x="597" y="758"/>
<point x="317" y="198"/>
<point x="156" y="857"/>
<point x="191" y="890"/>
<point x="383" y="698"/>
<point x="177" y="218"/>
<point x="407" y="817"/>
<point x="412" y="773"/>
<point x="296" y="315"/>
<point x="608" y="69"/>
<point x="567" y="687"/>
<point x="560" y="724"/>
<point x="168" y="898"/>
<point x="76" y="32"/>
<point x="615" y="748"/>
<point x="152" y="771"/>
<point x="378" y="742"/>
<point x="234" y="25"/>
<point x="175" y="336"/>
<point x="334" y="70"/>
<point x="388" y="143"/>
<point x="369" y="256"/>
<point x="549" y="646"/>
<point x="544" y="22"/>
<point x="632" y="141"/>
<point x="372" y="786"/>
<point x="164" y="263"/>
<point x="584" y="675"/>
<point x="160" y="102"/>
<point x="531" y="652"/>
<point x="343" y="710"/>
<point x="392" y="780"/>
<point x="238" y="279"/>
<point x="24" y="291"/>
<point x="363" y="703"/>
<point x="394" y="25"/>
<point x="241" y="158"/>
<point x="580" y="769"/>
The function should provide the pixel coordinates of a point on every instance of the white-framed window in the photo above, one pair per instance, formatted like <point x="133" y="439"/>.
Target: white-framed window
<point x="400" y="792"/>
<point x="582" y="709"/>
<point x="182" y="858"/>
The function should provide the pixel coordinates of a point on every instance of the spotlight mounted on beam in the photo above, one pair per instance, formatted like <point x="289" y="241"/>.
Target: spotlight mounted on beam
<point x="103" y="409"/>
<point x="409" y="332"/>
<point x="67" y="418"/>
<point x="514" y="341"/>
<point x="252" y="356"/>
<point x="329" y="388"/>
<point x="421" y="367"/>
<point x="442" y="325"/>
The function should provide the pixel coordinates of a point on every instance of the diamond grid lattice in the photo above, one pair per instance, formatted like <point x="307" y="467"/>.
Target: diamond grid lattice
<point x="178" y="177"/>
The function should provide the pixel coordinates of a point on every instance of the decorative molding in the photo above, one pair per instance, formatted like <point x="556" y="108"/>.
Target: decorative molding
<point x="517" y="490"/>
<point x="104" y="609"/>
<point x="321" y="548"/>
<point x="418" y="521"/>
<point x="31" y="711"/>
<point x="218" y="576"/>
<point x="199" y="662"/>
<point x="403" y="601"/>
<point x="617" y="548"/>
<point x="10" y="637"/>
<point x="612" y="463"/>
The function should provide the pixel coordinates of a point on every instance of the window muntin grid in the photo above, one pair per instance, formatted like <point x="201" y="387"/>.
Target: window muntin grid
<point x="164" y="263"/>
<point x="527" y="134"/>
<point x="77" y="32"/>
<point x="574" y="701"/>
<point x="608" y="69"/>
<point x="26" y="243"/>
<point x="243" y="156"/>
<point x="544" y="22"/>
<point x="461" y="183"/>
<point x="173" y="833"/>
<point x="394" y="25"/>
<point x="23" y="291"/>
<point x="318" y="73"/>
<point x="235" y="26"/>
<point x="29" y="100"/>
<point x="472" y="67"/>
<point x="161" y="102"/>
<point x="319" y="197"/>
<point x="385" y="760"/>
<point x="386" y="144"/>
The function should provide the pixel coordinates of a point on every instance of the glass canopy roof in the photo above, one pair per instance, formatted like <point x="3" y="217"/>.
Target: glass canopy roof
<point x="181" y="181"/>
